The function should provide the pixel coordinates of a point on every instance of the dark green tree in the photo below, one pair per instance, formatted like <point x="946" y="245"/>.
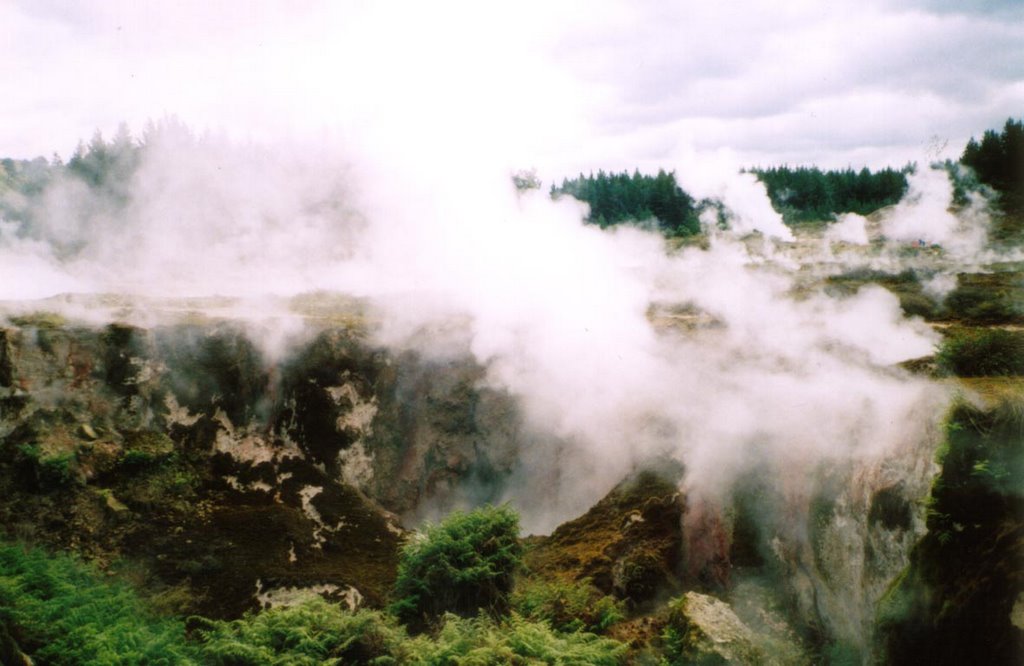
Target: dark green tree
<point x="804" y="194"/>
<point x="615" y="198"/>
<point x="998" y="161"/>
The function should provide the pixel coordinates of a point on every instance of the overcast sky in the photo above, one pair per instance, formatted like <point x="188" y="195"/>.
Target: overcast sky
<point x="560" y="86"/>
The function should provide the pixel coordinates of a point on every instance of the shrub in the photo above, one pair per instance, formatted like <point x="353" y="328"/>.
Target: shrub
<point x="982" y="352"/>
<point x="317" y="632"/>
<point x="62" y="612"/>
<point x="462" y="565"/>
<point x="567" y="606"/>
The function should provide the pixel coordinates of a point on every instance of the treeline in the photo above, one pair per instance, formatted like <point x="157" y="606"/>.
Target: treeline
<point x="102" y="166"/>
<point x="804" y="194"/>
<point x="621" y="197"/>
<point x="799" y="194"/>
<point x="998" y="161"/>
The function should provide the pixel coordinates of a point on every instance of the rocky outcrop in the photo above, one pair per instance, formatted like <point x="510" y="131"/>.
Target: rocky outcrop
<point x="960" y="599"/>
<point x="704" y="630"/>
<point x="400" y="427"/>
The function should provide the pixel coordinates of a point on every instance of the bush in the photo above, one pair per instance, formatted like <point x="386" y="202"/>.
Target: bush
<point x="954" y="602"/>
<point x="463" y="565"/>
<point x="567" y="606"/>
<point x="982" y="353"/>
<point x="317" y="632"/>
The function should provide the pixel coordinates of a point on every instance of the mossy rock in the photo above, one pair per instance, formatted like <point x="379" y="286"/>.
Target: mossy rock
<point x="955" y="603"/>
<point x="704" y="630"/>
<point x="628" y="544"/>
<point x="145" y="447"/>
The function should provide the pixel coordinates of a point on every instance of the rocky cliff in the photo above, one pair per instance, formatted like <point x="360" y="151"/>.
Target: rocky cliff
<point x="240" y="480"/>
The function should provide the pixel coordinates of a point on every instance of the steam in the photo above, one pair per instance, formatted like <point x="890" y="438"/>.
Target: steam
<point x="924" y="215"/>
<point x="581" y="325"/>
<point x="848" y="228"/>
<point x="717" y="176"/>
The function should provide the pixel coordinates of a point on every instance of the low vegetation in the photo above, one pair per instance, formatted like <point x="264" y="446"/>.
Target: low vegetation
<point x="314" y="632"/>
<point x="61" y="611"/>
<point x="58" y="610"/>
<point x="567" y="606"/>
<point x="987" y="298"/>
<point x="982" y="352"/>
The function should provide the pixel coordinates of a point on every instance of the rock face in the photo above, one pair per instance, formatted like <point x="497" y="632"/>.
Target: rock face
<point x="249" y="479"/>
<point x="802" y="575"/>
<point x="399" y="427"/>
<point x="183" y="449"/>
<point x="863" y="522"/>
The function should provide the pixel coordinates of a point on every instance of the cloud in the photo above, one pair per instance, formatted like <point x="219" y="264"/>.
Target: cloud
<point x="563" y="88"/>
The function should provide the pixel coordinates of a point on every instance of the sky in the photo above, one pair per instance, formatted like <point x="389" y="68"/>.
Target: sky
<point x="560" y="87"/>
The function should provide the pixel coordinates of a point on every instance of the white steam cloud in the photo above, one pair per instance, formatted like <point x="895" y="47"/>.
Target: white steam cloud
<point x="925" y="217"/>
<point x="618" y="350"/>
<point x="848" y="228"/>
